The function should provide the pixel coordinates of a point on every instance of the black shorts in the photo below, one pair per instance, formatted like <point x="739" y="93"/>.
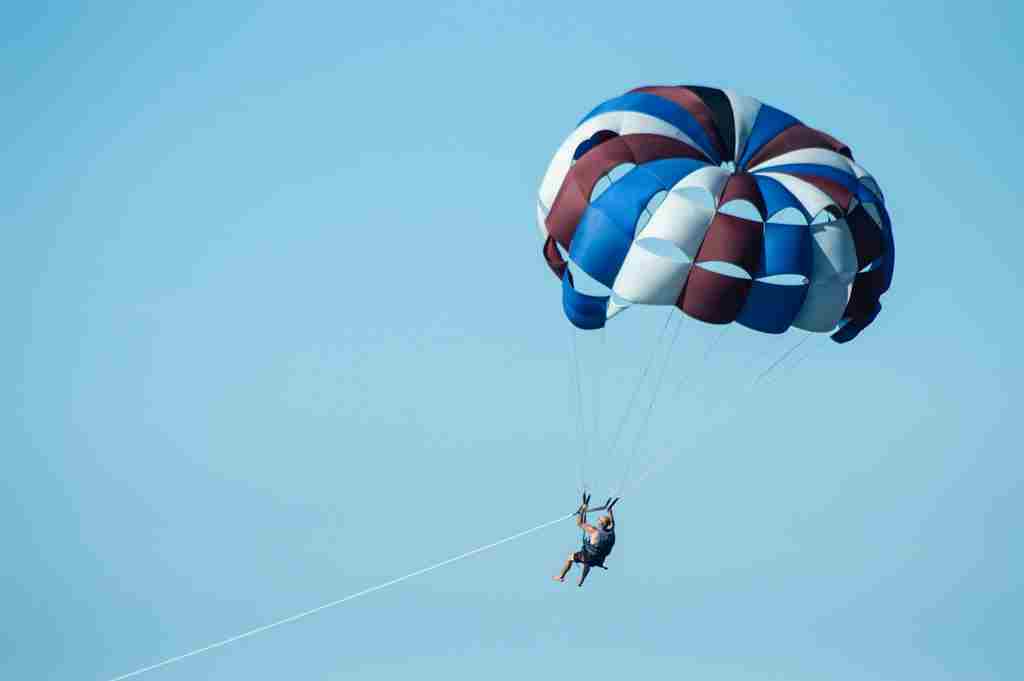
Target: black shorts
<point x="586" y="558"/>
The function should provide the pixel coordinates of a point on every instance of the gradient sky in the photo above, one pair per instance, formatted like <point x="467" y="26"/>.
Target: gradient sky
<point x="278" y="329"/>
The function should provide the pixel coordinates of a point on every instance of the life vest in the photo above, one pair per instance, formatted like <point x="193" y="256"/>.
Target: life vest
<point x="600" y="545"/>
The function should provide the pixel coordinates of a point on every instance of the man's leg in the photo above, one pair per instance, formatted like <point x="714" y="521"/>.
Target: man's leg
<point x="583" y="575"/>
<point x="565" y="569"/>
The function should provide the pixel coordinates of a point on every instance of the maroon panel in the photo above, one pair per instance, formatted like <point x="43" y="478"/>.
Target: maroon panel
<point x="743" y="186"/>
<point x="733" y="240"/>
<point x="555" y="260"/>
<point x="574" y="194"/>
<point x="720" y="106"/>
<point x="838" y="192"/>
<point x="689" y="100"/>
<point x="867" y="288"/>
<point x="712" y="297"/>
<point x="867" y="236"/>
<point x="566" y="212"/>
<point x="798" y="137"/>
<point x="649" y="147"/>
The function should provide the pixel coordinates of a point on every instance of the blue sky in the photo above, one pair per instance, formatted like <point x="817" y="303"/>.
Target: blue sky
<point x="278" y="329"/>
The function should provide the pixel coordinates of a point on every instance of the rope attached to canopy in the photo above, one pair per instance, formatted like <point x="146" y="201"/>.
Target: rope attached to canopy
<point x="331" y="604"/>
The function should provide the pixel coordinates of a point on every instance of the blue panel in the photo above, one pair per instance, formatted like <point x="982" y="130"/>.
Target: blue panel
<point x="670" y="112"/>
<point x="626" y="198"/>
<point x="787" y="250"/>
<point x="777" y="197"/>
<point x="889" y="264"/>
<point x="605" y="232"/>
<point x="816" y="170"/>
<point x="585" y="312"/>
<point x="863" y="194"/>
<point x="599" y="245"/>
<point x="769" y="123"/>
<point x="849" y="331"/>
<point x="670" y="170"/>
<point x="771" y="308"/>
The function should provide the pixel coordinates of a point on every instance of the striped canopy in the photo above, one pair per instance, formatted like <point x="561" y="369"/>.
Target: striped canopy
<point x="642" y="233"/>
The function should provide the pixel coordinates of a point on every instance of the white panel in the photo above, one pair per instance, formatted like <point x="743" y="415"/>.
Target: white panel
<point x="681" y="221"/>
<point x="620" y="122"/>
<point x="858" y="170"/>
<point x="649" y="278"/>
<point x="711" y="178"/>
<point x="867" y="180"/>
<point x="559" y="166"/>
<point x="813" y="199"/>
<point x="541" y="216"/>
<point x="634" y="122"/>
<point x="823" y="307"/>
<point x="872" y="186"/>
<point x="821" y="157"/>
<point x="833" y="267"/>
<point x="744" y="113"/>
<point x="833" y="252"/>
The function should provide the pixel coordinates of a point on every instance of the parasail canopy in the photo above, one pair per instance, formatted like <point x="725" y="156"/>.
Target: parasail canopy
<point x="621" y="201"/>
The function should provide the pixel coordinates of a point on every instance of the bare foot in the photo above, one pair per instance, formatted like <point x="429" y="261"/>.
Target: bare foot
<point x="558" y="579"/>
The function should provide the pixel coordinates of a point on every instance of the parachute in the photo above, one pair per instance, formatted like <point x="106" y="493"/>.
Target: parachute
<point x="646" y="239"/>
<point x="678" y="196"/>
<point x="711" y="203"/>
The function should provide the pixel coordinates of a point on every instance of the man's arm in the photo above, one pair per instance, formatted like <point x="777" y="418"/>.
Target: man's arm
<point x="611" y="513"/>
<point x="581" y="521"/>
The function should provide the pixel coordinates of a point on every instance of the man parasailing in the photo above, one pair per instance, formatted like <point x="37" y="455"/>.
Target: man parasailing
<point x="597" y="541"/>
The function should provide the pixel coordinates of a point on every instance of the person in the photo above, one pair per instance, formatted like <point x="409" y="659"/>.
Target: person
<point x="597" y="543"/>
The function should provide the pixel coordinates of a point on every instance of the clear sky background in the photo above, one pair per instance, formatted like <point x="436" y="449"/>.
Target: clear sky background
<point x="277" y="328"/>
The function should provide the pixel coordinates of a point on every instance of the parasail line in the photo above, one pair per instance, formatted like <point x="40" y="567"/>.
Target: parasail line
<point x="709" y="348"/>
<point x="803" y="356"/>
<point x="667" y="456"/>
<point x="639" y="384"/>
<point x="325" y="606"/>
<point x="781" y="359"/>
<point x="602" y="356"/>
<point x="662" y="460"/>
<point x="641" y="433"/>
<point x="581" y="425"/>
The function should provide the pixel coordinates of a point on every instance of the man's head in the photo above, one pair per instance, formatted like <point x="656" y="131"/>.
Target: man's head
<point x="605" y="521"/>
